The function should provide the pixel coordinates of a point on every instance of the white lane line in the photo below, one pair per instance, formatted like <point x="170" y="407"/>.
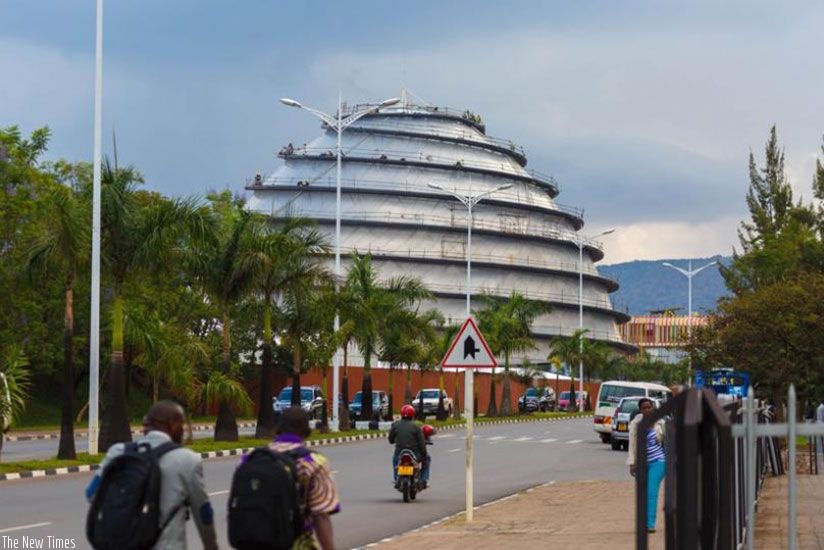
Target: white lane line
<point x="550" y="440"/>
<point x="525" y="438"/>
<point x="445" y="436"/>
<point x="573" y="441"/>
<point x="21" y="527"/>
<point x="454" y="450"/>
<point x="497" y="438"/>
<point x="219" y="493"/>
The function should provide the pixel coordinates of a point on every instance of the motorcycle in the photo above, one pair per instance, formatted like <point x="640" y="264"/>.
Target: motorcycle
<point x="409" y="475"/>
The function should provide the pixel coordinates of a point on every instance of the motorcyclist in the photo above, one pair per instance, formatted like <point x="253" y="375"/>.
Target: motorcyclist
<point x="428" y="432"/>
<point x="405" y="434"/>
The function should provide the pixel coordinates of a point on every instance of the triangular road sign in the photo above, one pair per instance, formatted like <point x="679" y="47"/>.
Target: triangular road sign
<point x="469" y="349"/>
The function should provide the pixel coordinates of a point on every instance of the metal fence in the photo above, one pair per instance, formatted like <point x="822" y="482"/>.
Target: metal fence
<point x="716" y="460"/>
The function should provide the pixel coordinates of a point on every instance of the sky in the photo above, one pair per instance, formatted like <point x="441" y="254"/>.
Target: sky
<point x="644" y="112"/>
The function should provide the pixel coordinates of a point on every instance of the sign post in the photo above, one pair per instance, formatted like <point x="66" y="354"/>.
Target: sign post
<point x="469" y="350"/>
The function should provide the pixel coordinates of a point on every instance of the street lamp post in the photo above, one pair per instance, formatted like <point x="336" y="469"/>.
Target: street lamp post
<point x="339" y="124"/>
<point x="469" y="201"/>
<point x="689" y="273"/>
<point x="94" y="332"/>
<point x="581" y="242"/>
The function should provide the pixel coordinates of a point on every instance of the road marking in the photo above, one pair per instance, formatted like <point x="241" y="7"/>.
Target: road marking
<point x="444" y="436"/>
<point x="454" y="450"/>
<point x="333" y="472"/>
<point x="21" y="527"/>
<point x="219" y="493"/>
<point x="525" y="438"/>
<point x="573" y="441"/>
<point x="550" y="440"/>
<point x="497" y="438"/>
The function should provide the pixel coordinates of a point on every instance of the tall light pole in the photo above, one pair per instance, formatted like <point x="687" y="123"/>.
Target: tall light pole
<point x="689" y="273"/>
<point x="94" y="332"/>
<point x="469" y="386"/>
<point x="581" y="242"/>
<point x="339" y="124"/>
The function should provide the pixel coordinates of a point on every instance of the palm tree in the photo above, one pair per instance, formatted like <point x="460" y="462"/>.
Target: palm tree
<point x="168" y="353"/>
<point x="567" y="350"/>
<point x="303" y="318"/>
<point x="14" y="387"/>
<point x="399" y="346"/>
<point x="139" y="232"/>
<point x="287" y="251"/>
<point x="508" y="325"/>
<point x="371" y="303"/>
<point x="62" y="247"/>
<point x="226" y="275"/>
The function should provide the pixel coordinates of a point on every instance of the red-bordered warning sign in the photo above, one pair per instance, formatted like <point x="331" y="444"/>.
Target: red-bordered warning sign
<point x="469" y="349"/>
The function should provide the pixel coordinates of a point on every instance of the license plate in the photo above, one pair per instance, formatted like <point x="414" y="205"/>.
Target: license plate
<point x="406" y="470"/>
<point x="608" y="420"/>
<point x="622" y="427"/>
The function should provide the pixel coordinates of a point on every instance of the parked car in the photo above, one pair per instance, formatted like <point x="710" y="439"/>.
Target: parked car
<point x="547" y="401"/>
<point x="537" y="399"/>
<point x="430" y="402"/>
<point x="563" y="401"/>
<point x="610" y="394"/>
<point x="311" y="399"/>
<point x="624" y="413"/>
<point x="380" y="405"/>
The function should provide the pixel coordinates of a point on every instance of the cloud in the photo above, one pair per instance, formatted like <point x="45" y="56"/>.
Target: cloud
<point x="661" y="240"/>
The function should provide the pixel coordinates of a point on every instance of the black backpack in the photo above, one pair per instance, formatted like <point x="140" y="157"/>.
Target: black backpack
<point x="125" y="512"/>
<point x="264" y="502"/>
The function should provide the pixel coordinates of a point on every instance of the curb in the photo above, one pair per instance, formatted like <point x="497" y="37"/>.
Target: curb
<point x="244" y="450"/>
<point x="457" y="514"/>
<point x="33" y="437"/>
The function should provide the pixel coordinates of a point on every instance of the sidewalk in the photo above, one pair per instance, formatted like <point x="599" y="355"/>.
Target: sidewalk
<point x="585" y="515"/>
<point x="590" y="515"/>
<point x="771" y="525"/>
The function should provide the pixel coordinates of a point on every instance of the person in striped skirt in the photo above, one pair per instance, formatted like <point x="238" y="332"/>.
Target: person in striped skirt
<point x="656" y="459"/>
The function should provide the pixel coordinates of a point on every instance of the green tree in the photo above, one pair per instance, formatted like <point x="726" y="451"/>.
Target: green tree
<point x="567" y="350"/>
<point x="287" y="253"/>
<point x="14" y="387"/>
<point x="226" y="275"/>
<point x="775" y="333"/>
<point x="31" y="312"/>
<point x="62" y="247"/>
<point x="370" y="303"/>
<point x="781" y="237"/>
<point x="140" y="232"/>
<point x="507" y="326"/>
<point x="304" y="317"/>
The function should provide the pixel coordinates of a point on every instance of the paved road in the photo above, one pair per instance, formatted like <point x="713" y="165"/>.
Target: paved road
<point x="508" y="458"/>
<point x="41" y="449"/>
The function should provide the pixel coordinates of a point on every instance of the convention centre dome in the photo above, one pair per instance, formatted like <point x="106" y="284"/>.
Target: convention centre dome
<point x="400" y="166"/>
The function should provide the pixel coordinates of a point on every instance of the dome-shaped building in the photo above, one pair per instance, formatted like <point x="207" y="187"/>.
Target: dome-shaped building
<point x="400" y="167"/>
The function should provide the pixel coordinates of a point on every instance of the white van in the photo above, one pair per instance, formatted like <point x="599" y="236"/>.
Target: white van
<point x="611" y="393"/>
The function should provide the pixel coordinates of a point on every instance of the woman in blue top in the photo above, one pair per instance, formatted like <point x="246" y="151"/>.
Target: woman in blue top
<point x="655" y="457"/>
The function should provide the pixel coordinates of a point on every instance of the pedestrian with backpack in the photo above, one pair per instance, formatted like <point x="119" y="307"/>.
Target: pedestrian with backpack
<point x="140" y="495"/>
<point x="283" y="495"/>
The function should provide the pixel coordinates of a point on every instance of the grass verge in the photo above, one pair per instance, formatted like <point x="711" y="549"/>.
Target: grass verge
<point x="209" y="445"/>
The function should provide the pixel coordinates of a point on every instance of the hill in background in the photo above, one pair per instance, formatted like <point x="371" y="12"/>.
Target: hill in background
<point x="649" y="285"/>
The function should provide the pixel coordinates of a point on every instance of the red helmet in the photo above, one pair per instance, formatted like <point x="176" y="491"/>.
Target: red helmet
<point x="428" y="431"/>
<point x="407" y="411"/>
